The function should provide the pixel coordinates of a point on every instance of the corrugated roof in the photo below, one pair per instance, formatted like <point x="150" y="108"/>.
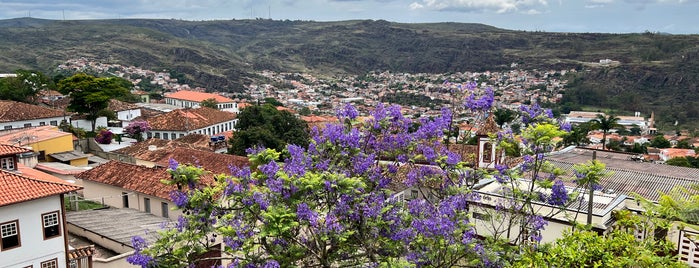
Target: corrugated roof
<point x="18" y="188"/>
<point x="119" y="225"/>
<point x="628" y="176"/>
<point x="70" y="155"/>
<point x="197" y="96"/>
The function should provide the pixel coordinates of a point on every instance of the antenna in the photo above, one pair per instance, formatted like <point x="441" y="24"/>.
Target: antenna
<point x="64" y="14"/>
<point x="269" y="10"/>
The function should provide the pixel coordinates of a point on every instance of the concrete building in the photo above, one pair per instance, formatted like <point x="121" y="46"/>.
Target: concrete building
<point x="193" y="99"/>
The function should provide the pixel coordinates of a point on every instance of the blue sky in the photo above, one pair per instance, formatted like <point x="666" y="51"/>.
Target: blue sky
<point x="608" y="16"/>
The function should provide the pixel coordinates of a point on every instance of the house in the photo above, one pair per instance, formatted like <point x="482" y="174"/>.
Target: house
<point x="670" y="153"/>
<point x="125" y="112"/>
<point x="123" y="185"/>
<point x="15" y="115"/>
<point x="32" y="217"/>
<point x="49" y="143"/>
<point x="159" y="156"/>
<point x="181" y="122"/>
<point x="193" y="99"/>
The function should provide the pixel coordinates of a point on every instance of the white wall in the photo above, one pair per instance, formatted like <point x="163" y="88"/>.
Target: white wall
<point x="112" y="197"/>
<point x="209" y="130"/>
<point x="128" y="115"/>
<point x="55" y="121"/>
<point x="87" y="125"/>
<point x="34" y="249"/>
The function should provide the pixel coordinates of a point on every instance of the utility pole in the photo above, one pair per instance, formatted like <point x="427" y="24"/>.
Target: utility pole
<point x="592" y="192"/>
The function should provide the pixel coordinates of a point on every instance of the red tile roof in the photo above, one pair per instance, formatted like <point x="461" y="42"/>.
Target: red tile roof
<point x="197" y="96"/>
<point x="17" y="188"/>
<point x="118" y="106"/>
<point x="11" y="111"/>
<point x="6" y="149"/>
<point x="134" y="178"/>
<point x="189" y="119"/>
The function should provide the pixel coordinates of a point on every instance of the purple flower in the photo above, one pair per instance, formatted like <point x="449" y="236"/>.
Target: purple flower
<point x="348" y="112"/>
<point x="565" y="126"/>
<point x="260" y="200"/>
<point x="179" y="198"/>
<point x="559" y="194"/>
<point x="172" y="164"/>
<point x="138" y="258"/>
<point x="303" y="212"/>
<point x="270" y="169"/>
<point x="271" y="264"/>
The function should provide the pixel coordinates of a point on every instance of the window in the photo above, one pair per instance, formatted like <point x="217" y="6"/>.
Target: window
<point x="157" y="135"/>
<point x="8" y="127"/>
<point x="414" y="194"/>
<point x="7" y="163"/>
<point x="9" y="232"/>
<point x="163" y="207"/>
<point x="487" y="153"/>
<point x="166" y="136"/>
<point x="125" y="199"/>
<point x="42" y="123"/>
<point x="42" y="156"/>
<point x="53" y="123"/>
<point x="28" y="125"/>
<point x="146" y="204"/>
<point x="52" y="228"/>
<point x="50" y="264"/>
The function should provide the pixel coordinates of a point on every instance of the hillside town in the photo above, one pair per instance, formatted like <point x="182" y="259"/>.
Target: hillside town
<point x="76" y="201"/>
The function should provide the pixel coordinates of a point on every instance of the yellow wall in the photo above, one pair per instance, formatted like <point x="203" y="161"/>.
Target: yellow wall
<point x="54" y="145"/>
<point x="79" y="162"/>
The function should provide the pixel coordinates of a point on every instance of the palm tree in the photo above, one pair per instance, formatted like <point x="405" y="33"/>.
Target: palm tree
<point x="605" y="123"/>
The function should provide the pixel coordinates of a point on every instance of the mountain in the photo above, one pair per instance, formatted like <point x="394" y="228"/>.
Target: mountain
<point x="657" y="72"/>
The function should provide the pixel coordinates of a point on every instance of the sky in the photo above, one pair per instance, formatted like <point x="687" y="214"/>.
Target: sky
<point x="602" y="16"/>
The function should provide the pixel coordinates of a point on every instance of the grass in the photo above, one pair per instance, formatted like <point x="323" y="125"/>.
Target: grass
<point x="82" y="204"/>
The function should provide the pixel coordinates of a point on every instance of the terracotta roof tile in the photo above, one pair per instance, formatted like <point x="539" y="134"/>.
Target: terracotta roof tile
<point x="82" y="252"/>
<point x="6" y="149"/>
<point x="214" y="162"/>
<point x="118" y="106"/>
<point x="11" y="111"/>
<point x="18" y="188"/>
<point x="131" y="177"/>
<point x="197" y="96"/>
<point x="189" y="119"/>
<point x="489" y="127"/>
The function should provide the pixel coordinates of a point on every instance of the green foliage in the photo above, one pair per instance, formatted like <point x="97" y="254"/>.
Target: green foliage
<point x="25" y="87"/>
<point x="679" y="161"/>
<point x="503" y="116"/>
<point x="582" y="248"/>
<point x="264" y="125"/>
<point x="211" y="103"/>
<point x="305" y="111"/>
<point x="605" y="123"/>
<point x="90" y="95"/>
<point x="273" y="102"/>
<point x="660" y="141"/>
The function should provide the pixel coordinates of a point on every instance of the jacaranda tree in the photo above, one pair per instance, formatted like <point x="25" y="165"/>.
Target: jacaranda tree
<point x="332" y="204"/>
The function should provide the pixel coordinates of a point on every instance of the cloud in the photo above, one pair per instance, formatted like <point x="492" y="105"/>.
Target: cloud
<point x="482" y="6"/>
<point x="416" y="5"/>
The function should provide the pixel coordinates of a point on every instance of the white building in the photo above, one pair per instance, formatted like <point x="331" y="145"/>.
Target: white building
<point x="32" y="215"/>
<point x="193" y="99"/>
<point x="181" y="122"/>
<point x="20" y="115"/>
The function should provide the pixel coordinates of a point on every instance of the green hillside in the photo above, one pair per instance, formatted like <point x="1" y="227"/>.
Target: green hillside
<point x="657" y="72"/>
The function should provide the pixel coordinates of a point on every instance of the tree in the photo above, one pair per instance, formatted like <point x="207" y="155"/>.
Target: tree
<point x="605" y="123"/>
<point x="305" y="111"/>
<point x="679" y="161"/>
<point x="578" y="135"/>
<point x="273" y="102"/>
<point x="136" y="129"/>
<point x="684" y="144"/>
<point x="25" y="87"/>
<point x="503" y="116"/>
<point x="264" y="125"/>
<point x="660" y="142"/>
<point x="211" y="103"/>
<point x="90" y="95"/>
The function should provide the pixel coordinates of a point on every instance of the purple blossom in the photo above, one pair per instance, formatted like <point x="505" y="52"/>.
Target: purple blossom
<point x="303" y="212"/>
<point x="348" y="112"/>
<point x="275" y="185"/>
<point x="179" y="198"/>
<point x="565" y="126"/>
<point x="260" y="200"/>
<point x="270" y="169"/>
<point x="172" y="164"/>
<point x="483" y="103"/>
<point x="138" y="258"/>
<point x="271" y="264"/>
<point x="559" y="194"/>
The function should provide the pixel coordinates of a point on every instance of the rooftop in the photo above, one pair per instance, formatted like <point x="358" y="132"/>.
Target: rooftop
<point x="189" y="119"/>
<point x="6" y="149"/>
<point x="11" y="111"/>
<point x="68" y="156"/>
<point x="197" y="96"/>
<point x="130" y="177"/>
<point x="17" y="188"/>
<point x="31" y="135"/>
<point x="118" y="225"/>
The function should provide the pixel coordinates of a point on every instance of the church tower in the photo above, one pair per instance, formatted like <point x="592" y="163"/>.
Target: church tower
<point x="487" y="150"/>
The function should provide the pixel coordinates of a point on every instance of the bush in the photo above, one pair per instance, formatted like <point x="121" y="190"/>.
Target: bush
<point x="104" y="137"/>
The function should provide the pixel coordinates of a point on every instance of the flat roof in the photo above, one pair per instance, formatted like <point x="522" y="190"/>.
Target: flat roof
<point x="119" y="225"/>
<point x="70" y="155"/>
<point x="60" y="168"/>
